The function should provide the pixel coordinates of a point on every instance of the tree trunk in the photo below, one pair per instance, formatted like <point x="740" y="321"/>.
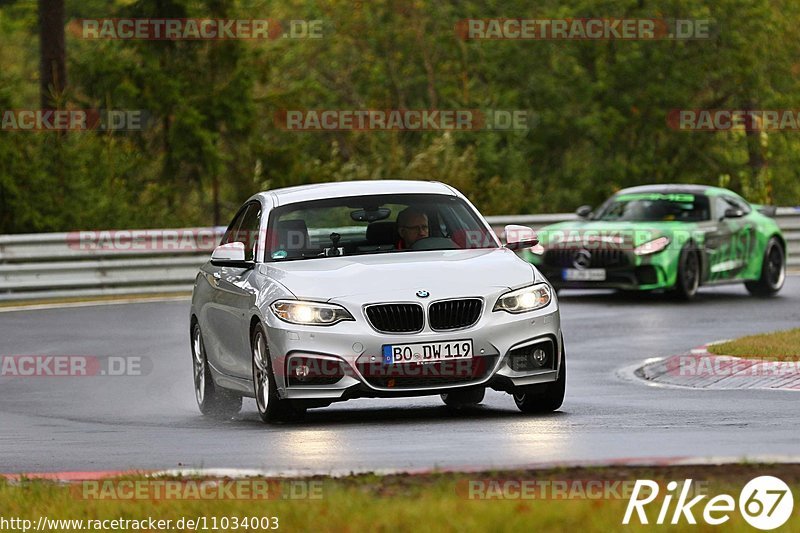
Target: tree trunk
<point x="52" y="63"/>
<point x="756" y="160"/>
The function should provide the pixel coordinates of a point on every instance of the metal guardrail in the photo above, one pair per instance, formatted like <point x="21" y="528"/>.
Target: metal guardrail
<point x="97" y="263"/>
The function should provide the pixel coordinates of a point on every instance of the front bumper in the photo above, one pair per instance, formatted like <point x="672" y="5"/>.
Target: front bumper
<point x="645" y="278"/>
<point x="498" y="340"/>
<point x="650" y="272"/>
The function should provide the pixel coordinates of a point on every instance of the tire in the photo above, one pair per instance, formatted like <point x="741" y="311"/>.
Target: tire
<point x="211" y="399"/>
<point x="271" y="408"/>
<point x="688" y="275"/>
<point x="458" y="399"/>
<point x="773" y="271"/>
<point x="546" y="397"/>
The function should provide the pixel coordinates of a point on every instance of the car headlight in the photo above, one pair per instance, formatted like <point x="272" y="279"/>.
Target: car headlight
<point x="309" y="313"/>
<point x="651" y="247"/>
<point x="524" y="299"/>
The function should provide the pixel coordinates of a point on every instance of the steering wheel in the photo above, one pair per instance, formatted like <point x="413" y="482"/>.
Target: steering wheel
<point x="434" y="243"/>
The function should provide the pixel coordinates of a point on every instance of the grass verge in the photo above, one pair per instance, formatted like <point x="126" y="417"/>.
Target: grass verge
<point x="780" y="345"/>
<point x="564" y="501"/>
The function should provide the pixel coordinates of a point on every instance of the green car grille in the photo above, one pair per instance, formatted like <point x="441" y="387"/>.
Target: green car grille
<point x="600" y="258"/>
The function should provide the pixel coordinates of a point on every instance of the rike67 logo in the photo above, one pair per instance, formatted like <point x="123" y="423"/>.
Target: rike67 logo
<point x="765" y="503"/>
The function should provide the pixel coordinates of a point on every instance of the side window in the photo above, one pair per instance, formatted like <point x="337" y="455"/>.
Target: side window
<point x="738" y="204"/>
<point x="233" y="228"/>
<point x="720" y="206"/>
<point x="248" y="230"/>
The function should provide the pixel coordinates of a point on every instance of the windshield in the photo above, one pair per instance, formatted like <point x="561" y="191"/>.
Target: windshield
<point x="653" y="207"/>
<point x="374" y="224"/>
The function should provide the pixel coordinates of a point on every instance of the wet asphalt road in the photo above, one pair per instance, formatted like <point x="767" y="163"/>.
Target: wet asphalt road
<point x="152" y="422"/>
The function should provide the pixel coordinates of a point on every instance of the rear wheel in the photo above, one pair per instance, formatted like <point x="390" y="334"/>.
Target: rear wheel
<point x="271" y="408"/>
<point x="458" y="399"/>
<point x="773" y="271"/>
<point x="688" y="275"/>
<point x="543" y="397"/>
<point x="212" y="400"/>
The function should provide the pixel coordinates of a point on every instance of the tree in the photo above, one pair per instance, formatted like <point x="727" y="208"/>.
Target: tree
<point x="52" y="64"/>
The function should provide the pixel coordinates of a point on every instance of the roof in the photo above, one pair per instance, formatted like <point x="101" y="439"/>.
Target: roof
<point x="317" y="191"/>
<point x="674" y="188"/>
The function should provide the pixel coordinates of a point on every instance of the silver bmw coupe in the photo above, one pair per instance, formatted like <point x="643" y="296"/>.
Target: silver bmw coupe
<point x="322" y="293"/>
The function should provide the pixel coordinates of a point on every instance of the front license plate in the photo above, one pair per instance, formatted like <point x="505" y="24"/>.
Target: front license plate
<point x="427" y="352"/>
<point x="589" y="274"/>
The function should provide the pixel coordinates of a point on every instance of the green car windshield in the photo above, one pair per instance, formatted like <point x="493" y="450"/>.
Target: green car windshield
<point x="652" y="207"/>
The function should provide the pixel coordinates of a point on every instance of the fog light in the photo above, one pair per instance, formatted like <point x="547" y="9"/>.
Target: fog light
<point x="302" y="371"/>
<point x="532" y="357"/>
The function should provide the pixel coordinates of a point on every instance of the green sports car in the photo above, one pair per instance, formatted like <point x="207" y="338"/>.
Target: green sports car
<point x="669" y="237"/>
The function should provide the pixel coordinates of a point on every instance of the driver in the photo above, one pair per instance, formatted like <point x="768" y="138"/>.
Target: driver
<point x="412" y="225"/>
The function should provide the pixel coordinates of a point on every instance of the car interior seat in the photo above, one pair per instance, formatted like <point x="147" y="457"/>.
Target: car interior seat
<point x="382" y="235"/>
<point x="292" y="236"/>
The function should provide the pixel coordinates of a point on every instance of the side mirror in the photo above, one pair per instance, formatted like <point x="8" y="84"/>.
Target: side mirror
<point x="584" y="211"/>
<point x="733" y="212"/>
<point x="231" y="254"/>
<point x="519" y="237"/>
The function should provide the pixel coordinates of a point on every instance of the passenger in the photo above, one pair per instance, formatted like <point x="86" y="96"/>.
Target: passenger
<point x="412" y="225"/>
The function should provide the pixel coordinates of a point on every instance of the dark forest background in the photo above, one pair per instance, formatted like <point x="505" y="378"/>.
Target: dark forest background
<point x="600" y="107"/>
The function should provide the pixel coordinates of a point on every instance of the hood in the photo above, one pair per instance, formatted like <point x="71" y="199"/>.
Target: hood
<point x="444" y="273"/>
<point x="625" y="235"/>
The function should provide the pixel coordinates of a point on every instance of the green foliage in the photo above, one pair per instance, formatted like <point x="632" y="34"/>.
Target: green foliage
<point x="600" y="108"/>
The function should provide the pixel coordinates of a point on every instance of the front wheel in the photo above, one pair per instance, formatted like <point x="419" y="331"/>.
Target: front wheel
<point x="543" y="398"/>
<point x="271" y="408"/>
<point x="211" y="400"/>
<point x="773" y="271"/>
<point x="688" y="275"/>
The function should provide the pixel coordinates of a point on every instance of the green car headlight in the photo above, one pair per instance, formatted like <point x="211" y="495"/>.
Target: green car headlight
<point x="538" y="249"/>
<point x="525" y="299"/>
<point x="309" y="313"/>
<point x="651" y="247"/>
